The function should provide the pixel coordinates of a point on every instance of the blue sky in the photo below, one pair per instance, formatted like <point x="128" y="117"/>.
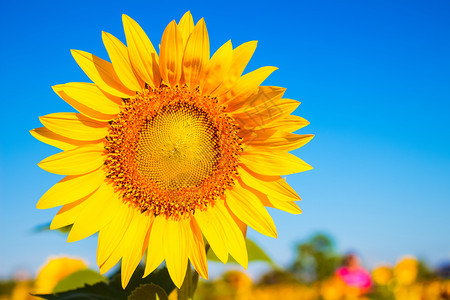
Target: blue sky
<point x="373" y="78"/>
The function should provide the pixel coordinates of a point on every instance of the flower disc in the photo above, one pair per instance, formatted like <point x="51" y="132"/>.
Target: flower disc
<point x="172" y="151"/>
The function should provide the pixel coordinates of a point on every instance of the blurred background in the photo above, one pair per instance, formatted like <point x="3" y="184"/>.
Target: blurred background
<point x="374" y="81"/>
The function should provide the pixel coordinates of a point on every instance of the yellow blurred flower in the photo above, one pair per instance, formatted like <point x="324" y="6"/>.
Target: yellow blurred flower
<point x="238" y="280"/>
<point x="333" y="289"/>
<point x="411" y="292"/>
<point x="405" y="271"/>
<point x="54" y="270"/>
<point x="382" y="275"/>
<point x="284" y="292"/>
<point x="446" y="288"/>
<point x="432" y="291"/>
<point x="22" y="291"/>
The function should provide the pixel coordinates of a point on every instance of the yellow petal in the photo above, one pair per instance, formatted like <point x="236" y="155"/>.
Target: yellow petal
<point x="270" y="201"/>
<point x="155" y="252"/>
<point x="171" y="54"/>
<point x="197" y="253"/>
<point x="112" y="234"/>
<point x="275" y="136"/>
<point x="77" y="161"/>
<point x="101" y="207"/>
<point x="213" y="232"/>
<point x="284" y="141"/>
<point x="247" y="207"/>
<point x="282" y="183"/>
<point x="244" y="87"/>
<point x="263" y="99"/>
<point x="269" y="116"/>
<point x="75" y="126"/>
<point x="101" y="73"/>
<point x="135" y="245"/>
<point x="131" y="247"/>
<point x="241" y="57"/>
<point x="143" y="56"/>
<point x="250" y="136"/>
<point x="234" y="239"/>
<point x="118" y="53"/>
<point x="287" y="206"/>
<point x="216" y="69"/>
<point x="279" y="163"/>
<point x="276" y="189"/>
<point x="114" y="257"/>
<point x="176" y="249"/>
<point x="260" y="176"/>
<point x="196" y="54"/>
<point x="276" y="184"/>
<point x="49" y="137"/>
<point x="290" y="123"/>
<point x="88" y="99"/>
<point x="186" y="26"/>
<point x="242" y="226"/>
<point x="68" y="213"/>
<point x="91" y="95"/>
<point x="71" y="188"/>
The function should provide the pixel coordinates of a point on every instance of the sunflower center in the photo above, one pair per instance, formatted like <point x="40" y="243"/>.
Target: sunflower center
<point x="172" y="151"/>
<point x="178" y="147"/>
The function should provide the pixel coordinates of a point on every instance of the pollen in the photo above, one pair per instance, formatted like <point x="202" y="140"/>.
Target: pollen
<point x="172" y="151"/>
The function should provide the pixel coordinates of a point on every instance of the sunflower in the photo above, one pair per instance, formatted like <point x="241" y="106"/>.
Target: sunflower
<point x="54" y="270"/>
<point x="169" y="149"/>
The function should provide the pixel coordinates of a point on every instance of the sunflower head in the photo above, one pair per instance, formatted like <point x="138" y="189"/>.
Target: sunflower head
<point x="54" y="270"/>
<point x="406" y="270"/>
<point x="382" y="275"/>
<point x="170" y="148"/>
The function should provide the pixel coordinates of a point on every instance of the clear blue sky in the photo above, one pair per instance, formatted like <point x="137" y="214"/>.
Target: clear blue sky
<point x="373" y="78"/>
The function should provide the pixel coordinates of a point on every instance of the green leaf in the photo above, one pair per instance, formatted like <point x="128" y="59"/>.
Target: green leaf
<point x="255" y="253"/>
<point x="100" y="290"/>
<point x="159" y="277"/>
<point x="46" y="227"/>
<point x="77" y="280"/>
<point x="113" y="289"/>
<point x="148" y="292"/>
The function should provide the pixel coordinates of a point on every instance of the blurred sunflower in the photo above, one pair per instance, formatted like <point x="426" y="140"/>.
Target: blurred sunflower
<point x="55" y="269"/>
<point x="382" y="275"/>
<point x="406" y="270"/>
<point x="169" y="148"/>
